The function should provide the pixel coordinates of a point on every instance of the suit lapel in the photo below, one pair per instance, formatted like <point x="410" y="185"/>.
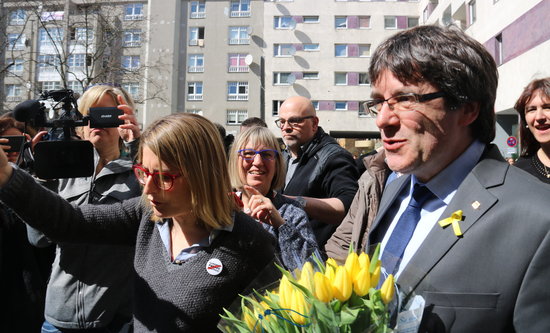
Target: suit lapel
<point x="473" y="198"/>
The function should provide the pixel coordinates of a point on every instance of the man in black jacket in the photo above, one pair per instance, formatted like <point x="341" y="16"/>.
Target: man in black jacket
<point x="321" y="175"/>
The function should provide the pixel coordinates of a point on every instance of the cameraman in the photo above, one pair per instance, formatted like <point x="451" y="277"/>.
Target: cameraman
<point x="90" y="285"/>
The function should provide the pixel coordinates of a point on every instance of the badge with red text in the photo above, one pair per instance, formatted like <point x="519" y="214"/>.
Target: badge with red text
<point x="214" y="266"/>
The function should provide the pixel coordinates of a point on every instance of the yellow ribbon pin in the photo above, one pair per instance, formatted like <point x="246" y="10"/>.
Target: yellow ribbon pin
<point x="454" y="219"/>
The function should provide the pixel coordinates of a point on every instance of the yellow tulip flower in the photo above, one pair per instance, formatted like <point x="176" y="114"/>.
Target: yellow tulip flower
<point x="285" y="292"/>
<point x="341" y="285"/>
<point x="361" y="282"/>
<point x="249" y="318"/>
<point x="388" y="289"/>
<point x="329" y="272"/>
<point x="299" y="305"/>
<point x="323" y="287"/>
<point x="331" y="262"/>
<point x="306" y="276"/>
<point x="364" y="260"/>
<point x="352" y="264"/>
<point x="375" y="276"/>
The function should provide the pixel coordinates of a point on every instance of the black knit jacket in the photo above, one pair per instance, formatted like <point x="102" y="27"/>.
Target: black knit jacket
<point x="168" y="297"/>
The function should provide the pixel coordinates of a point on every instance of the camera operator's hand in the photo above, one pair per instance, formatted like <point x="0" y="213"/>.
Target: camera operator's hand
<point x="129" y="131"/>
<point x="37" y="138"/>
<point x="5" y="168"/>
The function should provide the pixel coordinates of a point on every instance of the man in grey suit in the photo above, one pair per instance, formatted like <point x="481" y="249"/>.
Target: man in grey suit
<point x="485" y="268"/>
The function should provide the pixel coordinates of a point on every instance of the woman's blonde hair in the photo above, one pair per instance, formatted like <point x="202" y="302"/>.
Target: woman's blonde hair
<point x="251" y="137"/>
<point x="192" y="145"/>
<point x="95" y="93"/>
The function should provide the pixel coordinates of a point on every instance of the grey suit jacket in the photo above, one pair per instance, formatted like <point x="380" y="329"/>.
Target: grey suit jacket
<point x="496" y="278"/>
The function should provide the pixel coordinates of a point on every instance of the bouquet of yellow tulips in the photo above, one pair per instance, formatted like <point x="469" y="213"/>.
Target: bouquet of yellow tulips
<point x="331" y="298"/>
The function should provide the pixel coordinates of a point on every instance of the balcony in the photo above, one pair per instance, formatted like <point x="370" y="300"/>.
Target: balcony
<point x="198" y="15"/>
<point x="194" y="97"/>
<point x="239" y="41"/>
<point x="238" y="69"/>
<point x="237" y="97"/>
<point x="239" y="14"/>
<point x="195" y="69"/>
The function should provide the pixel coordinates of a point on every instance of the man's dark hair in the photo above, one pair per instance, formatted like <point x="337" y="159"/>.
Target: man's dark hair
<point x="530" y="145"/>
<point x="253" y="121"/>
<point x="451" y="61"/>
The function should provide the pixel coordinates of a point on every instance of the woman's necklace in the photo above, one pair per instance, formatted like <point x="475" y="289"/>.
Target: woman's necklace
<point x="540" y="167"/>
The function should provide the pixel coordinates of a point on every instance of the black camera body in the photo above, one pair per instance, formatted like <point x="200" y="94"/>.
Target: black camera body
<point x="62" y="155"/>
<point x="105" y="117"/>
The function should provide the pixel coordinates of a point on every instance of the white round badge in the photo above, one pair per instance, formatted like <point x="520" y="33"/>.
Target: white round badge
<point x="214" y="266"/>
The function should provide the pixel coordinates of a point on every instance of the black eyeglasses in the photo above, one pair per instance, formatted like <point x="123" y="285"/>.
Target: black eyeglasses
<point x="291" y="121"/>
<point x="265" y="154"/>
<point x="398" y="103"/>
<point x="162" y="180"/>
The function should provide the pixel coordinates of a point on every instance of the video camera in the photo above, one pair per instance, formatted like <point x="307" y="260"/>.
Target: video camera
<point x="63" y="154"/>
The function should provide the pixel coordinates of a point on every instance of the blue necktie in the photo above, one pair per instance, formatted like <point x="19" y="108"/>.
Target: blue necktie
<point x="404" y="229"/>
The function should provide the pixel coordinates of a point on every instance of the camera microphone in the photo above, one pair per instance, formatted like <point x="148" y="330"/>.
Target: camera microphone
<point x="27" y="110"/>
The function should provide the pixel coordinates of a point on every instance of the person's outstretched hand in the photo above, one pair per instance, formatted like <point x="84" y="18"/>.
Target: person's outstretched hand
<point x="5" y="168"/>
<point x="129" y="131"/>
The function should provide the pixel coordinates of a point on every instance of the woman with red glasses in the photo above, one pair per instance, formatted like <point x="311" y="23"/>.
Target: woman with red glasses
<point x="195" y="251"/>
<point x="257" y="170"/>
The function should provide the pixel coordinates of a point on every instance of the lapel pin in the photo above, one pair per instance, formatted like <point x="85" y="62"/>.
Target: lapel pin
<point x="453" y="220"/>
<point x="475" y="204"/>
<point x="214" y="266"/>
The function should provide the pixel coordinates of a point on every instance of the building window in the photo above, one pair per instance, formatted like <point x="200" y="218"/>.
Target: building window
<point x="14" y="67"/>
<point x="18" y="17"/>
<point x="132" y="38"/>
<point x="237" y="91"/>
<point x="13" y="91"/>
<point x="315" y="105"/>
<point x="340" y="106"/>
<point x="341" y="22"/>
<point x="237" y="64"/>
<point x="82" y="35"/>
<point x="196" y="36"/>
<point x="364" y="50"/>
<point x="132" y="88"/>
<point x="194" y="91"/>
<point x="340" y="50"/>
<point x="281" y="78"/>
<point x="48" y="63"/>
<point x="341" y="79"/>
<point x="472" y="11"/>
<point x="238" y="35"/>
<point x="130" y="62"/>
<point x="195" y="63"/>
<point x="76" y="61"/>
<point x="16" y="41"/>
<point x="275" y="106"/>
<point x="235" y="117"/>
<point x="283" y="22"/>
<point x="390" y="22"/>
<point x="49" y="37"/>
<point x="364" y="79"/>
<point x="310" y="75"/>
<point x="198" y="9"/>
<point x="283" y="50"/>
<point x="498" y="51"/>
<point x="240" y="8"/>
<point x="75" y="86"/>
<point x="194" y="111"/>
<point x="311" y="19"/>
<point x="412" y="22"/>
<point x="133" y="11"/>
<point x="311" y="47"/>
<point x="51" y="85"/>
<point x="364" y="22"/>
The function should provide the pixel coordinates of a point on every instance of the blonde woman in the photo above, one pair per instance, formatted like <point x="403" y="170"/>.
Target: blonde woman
<point x="195" y="251"/>
<point x="84" y="292"/>
<point x="257" y="170"/>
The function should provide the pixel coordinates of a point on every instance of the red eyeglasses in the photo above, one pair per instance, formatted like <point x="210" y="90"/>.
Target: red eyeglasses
<point x="162" y="180"/>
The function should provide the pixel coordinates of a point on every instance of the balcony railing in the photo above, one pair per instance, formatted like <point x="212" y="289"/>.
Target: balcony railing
<point x="239" y="41"/>
<point x="194" y="97"/>
<point x="239" y="14"/>
<point x="198" y="15"/>
<point x="237" y="97"/>
<point x="195" y="69"/>
<point x="238" y="69"/>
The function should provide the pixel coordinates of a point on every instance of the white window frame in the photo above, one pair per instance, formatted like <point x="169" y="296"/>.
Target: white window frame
<point x="13" y="90"/>
<point x="311" y="19"/>
<point x="341" y="25"/>
<point x="75" y="86"/>
<point x="16" y="41"/>
<point x="132" y="38"/>
<point x="48" y="63"/>
<point x="195" y="63"/>
<point x="278" y="50"/>
<point x="132" y="88"/>
<point x="237" y="68"/>
<point x="364" y="17"/>
<point x="195" y="95"/>
<point x="364" y="75"/>
<point x="239" y="8"/>
<point x="310" y="75"/>
<point x="18" y="17"/>
<point x="472" y="13"/>
<point x="311" y="47"/>
<point x="275" y="107"/>
<point x="340" y="75"/>
<point x="50" y="85"/>
<point x="77" y="60"/>
<point x="236" y="117"/>
<point x="197" y="9"/>
<point x="281" y="78"/>
<point x="16" y="69"/>
<point x="131" y="62"/>
<point x="133" y="12"/>
<point x="386" y="21"/>
<point x="50" y="36"/>
<point x="336" y="53"/>
<point x="240" y="91"/>
<point x="194" y="111"/>
<point x="195" y="36"/>
<point x="409" y="25"/>
<point x="238" y="35"/>
<point x="282" y="22"/>
<point x="83" y="35"/>
<point x="345" y="108"/>
<point x="315" y="105"/>
<point x="360" y="46"/>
